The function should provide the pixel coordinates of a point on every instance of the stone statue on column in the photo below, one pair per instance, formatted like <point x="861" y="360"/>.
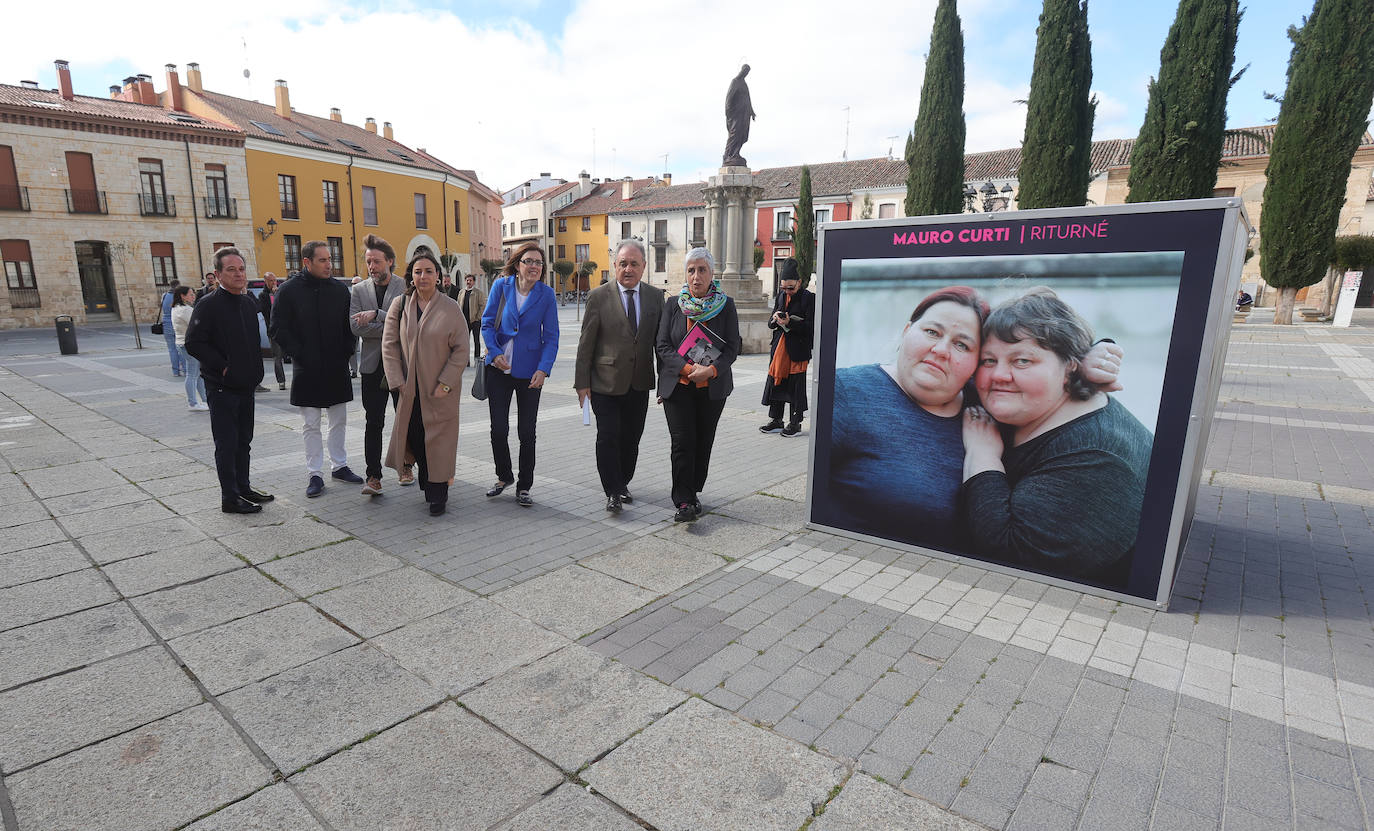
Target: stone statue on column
<point x="739" y="111"/>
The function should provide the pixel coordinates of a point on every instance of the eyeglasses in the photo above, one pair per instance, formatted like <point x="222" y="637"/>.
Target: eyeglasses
<point x="528" y="261"/>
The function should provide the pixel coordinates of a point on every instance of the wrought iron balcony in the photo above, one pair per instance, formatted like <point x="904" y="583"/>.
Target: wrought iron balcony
<point x="25" y="299"/>
<point x="157" y="204"/>
<point x="781" y="234"/>
<point x="659" y="239"/>
<point x="81" y="201"/>
<point x="217" y="207"/>
<point x="14" y="198"/>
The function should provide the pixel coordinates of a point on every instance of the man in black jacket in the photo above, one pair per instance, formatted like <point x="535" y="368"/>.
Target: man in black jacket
<point x="223" y="336"/>
<point x="793" y="323"/>
<point x="310" y="320"/>
<point x="267" y="298"/>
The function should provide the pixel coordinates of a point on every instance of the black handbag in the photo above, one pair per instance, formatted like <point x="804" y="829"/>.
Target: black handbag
<point x="156" y="328"/>
<point x="479" y="382"/>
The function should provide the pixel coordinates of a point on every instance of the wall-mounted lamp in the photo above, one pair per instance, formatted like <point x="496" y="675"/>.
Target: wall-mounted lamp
<point x="269" y="230"/>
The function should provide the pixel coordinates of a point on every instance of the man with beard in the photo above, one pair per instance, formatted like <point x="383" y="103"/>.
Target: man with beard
<point x="370" y="299"/>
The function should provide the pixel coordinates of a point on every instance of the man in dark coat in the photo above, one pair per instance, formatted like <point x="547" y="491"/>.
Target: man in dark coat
<point x="310" y="321"/>
<point x="223" y="336"/>
<point x="266" y="299"/>
<point x="793" y="325"/>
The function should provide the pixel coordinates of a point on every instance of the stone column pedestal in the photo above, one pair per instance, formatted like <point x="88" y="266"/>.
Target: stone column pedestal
<point x="731" y="198"/>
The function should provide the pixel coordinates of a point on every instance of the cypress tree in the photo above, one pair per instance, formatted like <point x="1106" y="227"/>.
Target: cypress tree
<point x="804" y="240"/>
<point x="1057" y="148"/>
<point x="1178" y="150"/>
<point x="1322" y="119"/>
<point x="935" y="150"/>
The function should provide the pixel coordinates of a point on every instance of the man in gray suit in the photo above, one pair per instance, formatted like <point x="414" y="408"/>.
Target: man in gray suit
<point x="616" y="368"/>
<point x="367" y="317"/>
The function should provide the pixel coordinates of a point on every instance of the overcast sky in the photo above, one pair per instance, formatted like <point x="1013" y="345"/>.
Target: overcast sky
<point x="517" y="88"/>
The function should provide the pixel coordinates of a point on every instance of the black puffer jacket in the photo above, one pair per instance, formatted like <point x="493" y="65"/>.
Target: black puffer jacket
<point x="310" y="323"/>
<point x="223" y="336"/>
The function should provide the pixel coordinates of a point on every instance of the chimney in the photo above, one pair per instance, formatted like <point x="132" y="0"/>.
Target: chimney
<point x="29" y="84"/>
<point x="335" y="115"/>
<point x="668" y="179"/>
<point x="627" y="189"/>
<point x="115" y="90"/>
<point x="371" y="125"/>
<point x="174" y="89"/>
<point x="584" y="184"/>
<point x="64" y="79"/>
<point x="387" y="132"/>
<point x="283" y="99"/>
<point x="193" y="77"/>
<point x="146" y="93"/>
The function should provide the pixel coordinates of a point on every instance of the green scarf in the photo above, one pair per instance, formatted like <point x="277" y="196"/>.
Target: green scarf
<point x="702" y="309"/>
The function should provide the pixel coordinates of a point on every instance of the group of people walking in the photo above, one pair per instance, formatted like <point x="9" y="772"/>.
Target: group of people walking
<point x="417" y="339"/>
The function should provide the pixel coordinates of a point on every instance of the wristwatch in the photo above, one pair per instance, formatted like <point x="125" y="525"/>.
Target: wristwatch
<point x="446" y="388"/>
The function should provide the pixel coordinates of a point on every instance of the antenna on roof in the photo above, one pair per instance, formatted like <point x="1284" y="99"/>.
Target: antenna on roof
<point x="890" y="143"/>
<point x="247" y="74"/>
<point x="845" y="155"/>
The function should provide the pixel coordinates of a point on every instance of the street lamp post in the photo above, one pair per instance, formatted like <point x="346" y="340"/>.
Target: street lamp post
<point x="989" y="192"/>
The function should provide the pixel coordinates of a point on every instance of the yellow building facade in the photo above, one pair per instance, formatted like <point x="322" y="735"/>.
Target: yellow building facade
<point x="582" y="230"/>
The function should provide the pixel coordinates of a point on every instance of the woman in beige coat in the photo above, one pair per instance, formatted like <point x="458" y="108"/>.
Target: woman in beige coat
<point x="424" y="352"/>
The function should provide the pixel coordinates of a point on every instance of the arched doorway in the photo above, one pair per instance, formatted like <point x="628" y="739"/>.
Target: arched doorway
<point x="97" y="281"/>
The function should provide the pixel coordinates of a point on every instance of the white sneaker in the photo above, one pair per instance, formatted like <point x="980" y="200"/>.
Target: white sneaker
<point x="199" y="408"/>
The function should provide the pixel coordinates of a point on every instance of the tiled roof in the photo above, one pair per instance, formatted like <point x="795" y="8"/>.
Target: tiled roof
<point x="51" y="103"/>
<point x="664" y="198"/>
<point x="375" y="146"/>
<point x="471" y="177"/>
<point x="546" y="193"/>
<point x="827" y="178"/>
<point x="603" y="199"/>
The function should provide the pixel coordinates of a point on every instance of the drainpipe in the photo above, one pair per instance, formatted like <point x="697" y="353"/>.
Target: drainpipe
<point x="352" y="218"/>
<point x="195" y="215"/>
<point x="443" y="210"/>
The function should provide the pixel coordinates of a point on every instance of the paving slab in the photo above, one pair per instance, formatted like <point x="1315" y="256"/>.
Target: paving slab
<point x="793" y="489"/>
<point x="270" y="809"/>
<point x="655" y="563"/>
<point x="463" y="647"/>
<point x="701" y="767"/>
<point x="30" y="535"/>
<point x="95" y="500"/>
<point x="258" y="646"/>
<point x="572" y="706"/>
<point x="386" y="601"/>
<point x="191" y="502"/>
<point x="183" y="609"/>
<point x="53" y="597"/>
<point x="440" y="769"/>
<point x="308" y="712"/>
<point x="770" y="511"/>
<point x="22" y="511"/>
<point x="63" y="643"/>
<point x="119" y="517"/>
<point x="268" y="542"/>
<point x="570" y="808"/>
<point x="40" y="563"/>
<point x="867" y="804"/>
<point x="157" y="777"/>
<point x="110" y="546"/>
<point x="574" y="601"/>
<point x="45" y="719"/>
<point x="279" y="513"/>
<point x="181" y="483"/>
<point x="722" y="535"/>
<point x="64" y="479"/>
<point x="171" y="567"/>
<point x="330" y="567"/>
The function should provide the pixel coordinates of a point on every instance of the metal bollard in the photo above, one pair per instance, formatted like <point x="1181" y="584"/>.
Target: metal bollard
<point x="66" y="334"/>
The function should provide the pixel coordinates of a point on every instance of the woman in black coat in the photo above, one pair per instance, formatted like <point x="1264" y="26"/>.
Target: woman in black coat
<point x="793" y="323"/>
<point x="693" y="387"/>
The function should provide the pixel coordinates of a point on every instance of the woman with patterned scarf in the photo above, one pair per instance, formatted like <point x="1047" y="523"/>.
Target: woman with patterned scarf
<point x="698" y="340"/>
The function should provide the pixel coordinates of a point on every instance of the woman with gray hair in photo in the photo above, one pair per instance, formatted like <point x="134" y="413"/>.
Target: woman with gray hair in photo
<point x="1056" y="483"/>
<point x="698" y="341"/>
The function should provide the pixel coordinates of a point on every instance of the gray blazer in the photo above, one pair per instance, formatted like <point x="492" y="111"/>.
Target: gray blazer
<point x="612" y="360"/>
<point x="364" y="298"/>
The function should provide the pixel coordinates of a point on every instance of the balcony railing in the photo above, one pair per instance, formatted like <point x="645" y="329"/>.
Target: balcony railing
<point x="220" y="207"/>
<point x="25" y="299"/>
<point x="14" y="198"/>
<point x="659" y="239"/>
<point x="782" y="234"/>
<point x="157" y="204"/>
<point x="86" y="201"/>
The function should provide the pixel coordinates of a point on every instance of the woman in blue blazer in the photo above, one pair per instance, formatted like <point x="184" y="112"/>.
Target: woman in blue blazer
<point x="520" y="329"/>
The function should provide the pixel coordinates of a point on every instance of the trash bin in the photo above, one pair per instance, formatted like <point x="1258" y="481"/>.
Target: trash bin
<point x="66" y="335"/>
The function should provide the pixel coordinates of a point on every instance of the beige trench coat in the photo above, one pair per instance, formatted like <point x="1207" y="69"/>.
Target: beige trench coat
<point x="435" y="352"/>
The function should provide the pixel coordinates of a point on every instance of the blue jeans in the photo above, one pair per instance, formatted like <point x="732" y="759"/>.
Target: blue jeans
<point x="178" y="361"/>
<point x="194" y="382"/>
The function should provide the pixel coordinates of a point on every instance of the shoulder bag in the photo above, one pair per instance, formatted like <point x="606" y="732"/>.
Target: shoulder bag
<point x="479" y="381"/>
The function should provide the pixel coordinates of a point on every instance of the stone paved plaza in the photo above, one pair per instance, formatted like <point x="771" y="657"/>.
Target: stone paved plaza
<point x="340" y="663"/>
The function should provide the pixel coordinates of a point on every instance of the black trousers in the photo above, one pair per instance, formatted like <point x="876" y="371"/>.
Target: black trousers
<point x="435" y="492"/>
<point x="619" y="426"/>
<point x="374" y="410"/>
<point x="500" y="388"/>
<point x="231" y="425"/>
<point x="276" y="362"/>
<point x="475" y="357"/>
<point x="692" y="420"/>
<point x="775" y="411"/>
